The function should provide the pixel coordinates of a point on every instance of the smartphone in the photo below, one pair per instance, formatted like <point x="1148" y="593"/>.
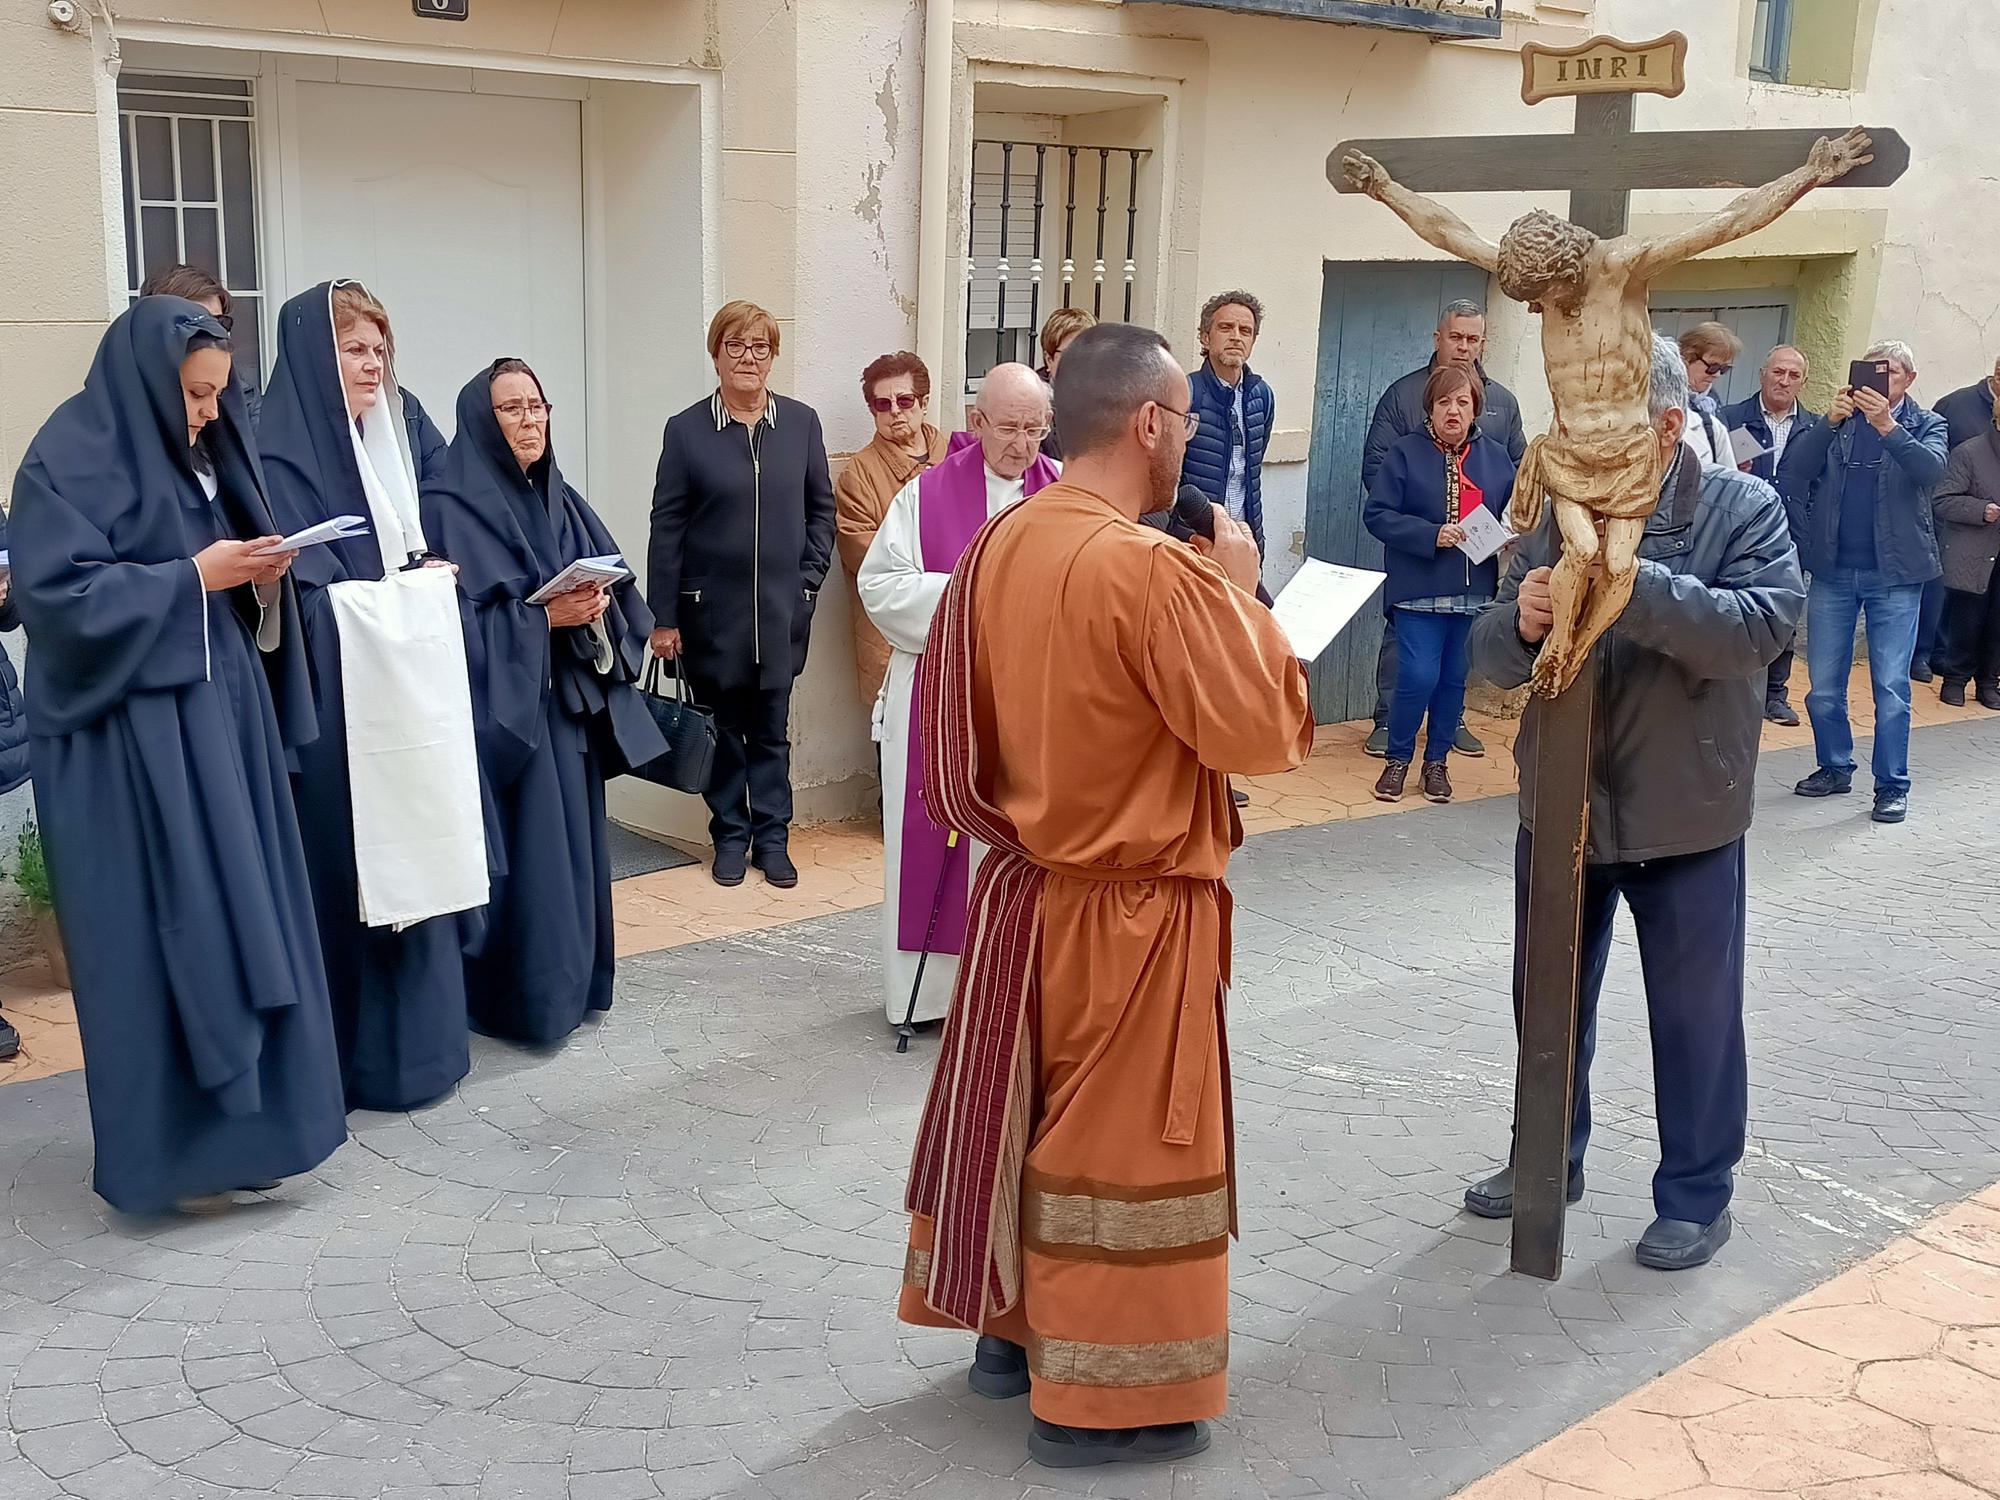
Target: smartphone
<point x="1869" y="375"/>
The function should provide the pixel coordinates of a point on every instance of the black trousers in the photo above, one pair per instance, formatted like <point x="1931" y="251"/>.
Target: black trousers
<point x="750" y="793"/>
<point x="1688" y="913"/>
<point x="1969" y="640"/>
<point x="1777" y="682"/>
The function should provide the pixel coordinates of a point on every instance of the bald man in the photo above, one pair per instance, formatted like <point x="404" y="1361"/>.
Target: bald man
<point x="927" y="527"/>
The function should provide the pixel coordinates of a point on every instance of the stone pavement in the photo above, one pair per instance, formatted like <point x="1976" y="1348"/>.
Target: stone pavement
<point x="662" y="1260"/>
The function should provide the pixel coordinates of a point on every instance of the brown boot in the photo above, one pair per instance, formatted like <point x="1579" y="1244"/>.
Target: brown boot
<point x="1389" y="785"/>
<point x="1436" y="783"/>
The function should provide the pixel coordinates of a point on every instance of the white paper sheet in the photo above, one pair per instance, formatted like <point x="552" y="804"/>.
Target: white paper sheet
<point x="1319" y="601"/>
<point x="1744" y="446"/>
<point x="334" y="529"/>
<point x="585" y="572"/>
<point x="1485" y="534"/>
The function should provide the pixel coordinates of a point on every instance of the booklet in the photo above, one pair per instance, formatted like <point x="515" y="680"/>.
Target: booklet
<point x="584" y="573"/>
<point x="1319" y="601"/>
<point x="1485" y="534"/>
<point x="1744" y="447"/>
<point x="334" y="529"/>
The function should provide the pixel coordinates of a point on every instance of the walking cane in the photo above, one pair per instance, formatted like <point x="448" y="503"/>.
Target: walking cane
<point x="905" y="1031"/>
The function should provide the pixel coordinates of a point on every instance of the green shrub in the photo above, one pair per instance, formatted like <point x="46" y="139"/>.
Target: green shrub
<point x="31" y="870"/>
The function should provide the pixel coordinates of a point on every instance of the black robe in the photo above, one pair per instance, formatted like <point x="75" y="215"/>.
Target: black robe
<point x="159" y="735"/>
<point x="398" y="997"/>
<point x="552" y="726"/>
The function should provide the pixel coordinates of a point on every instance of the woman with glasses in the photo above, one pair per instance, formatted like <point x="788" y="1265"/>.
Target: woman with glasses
<point x="553" y="702"/>
<point x="742" y="536"/>
<point x="1710" y="350"/>
<point x="897" y="388"/>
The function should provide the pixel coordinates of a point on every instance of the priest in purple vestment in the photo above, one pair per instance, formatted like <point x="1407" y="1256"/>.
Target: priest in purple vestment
<point x="929" y="524"/>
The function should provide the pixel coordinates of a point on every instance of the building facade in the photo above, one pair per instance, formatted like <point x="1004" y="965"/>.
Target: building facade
<point x="581" y="182"/>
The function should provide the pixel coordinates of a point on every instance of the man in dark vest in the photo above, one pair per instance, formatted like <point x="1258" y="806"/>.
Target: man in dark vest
<point x="1460" y="340"/>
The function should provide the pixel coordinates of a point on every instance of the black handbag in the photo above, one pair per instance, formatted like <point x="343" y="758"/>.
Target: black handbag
<point x="688" y="730"/>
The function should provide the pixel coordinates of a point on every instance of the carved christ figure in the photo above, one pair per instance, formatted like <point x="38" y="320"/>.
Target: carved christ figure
<point x="1600" y="462"/>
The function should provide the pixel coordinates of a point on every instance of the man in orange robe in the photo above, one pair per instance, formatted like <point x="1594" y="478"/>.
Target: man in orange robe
<point x="1089" y="686"/>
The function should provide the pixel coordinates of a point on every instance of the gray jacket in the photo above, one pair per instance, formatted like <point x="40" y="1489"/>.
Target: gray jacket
<point x="1971" y="483"/>
<point x="1680" y="677"/>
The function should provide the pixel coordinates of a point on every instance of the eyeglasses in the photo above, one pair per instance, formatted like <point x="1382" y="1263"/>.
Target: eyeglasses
<point x="519" y="411"/>
<point x="1191" y="419"/>
<point x="757" y="349"/>
<point x="227" y="320"/>
<point x="1714" y="368"/>
<point x="1009" y="433"/>
<point x="881" y="404"/>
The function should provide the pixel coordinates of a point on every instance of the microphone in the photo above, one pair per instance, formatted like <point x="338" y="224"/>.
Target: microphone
<point x="1192" y="513"/>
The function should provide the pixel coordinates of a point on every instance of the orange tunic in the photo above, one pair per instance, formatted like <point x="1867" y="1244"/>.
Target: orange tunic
<point x="861" y="499"/>
<point x="1116" y="677"/>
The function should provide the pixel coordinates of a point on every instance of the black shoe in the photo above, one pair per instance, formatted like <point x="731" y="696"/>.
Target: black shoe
<point x="1239" y="797"/>
<point x="1952" y="694"/>
<point x="1989" y="695"/>
<point x="1680" y="1245"/>
<point x="730" y="865"/>
<point x="1920" y="671"/>
<point x="1891" y="807"/>
<point x="1494" y="1198"/>
<point x="1056" y="1447"/>
<point x="999" y="1369"/>
<point x="10" y="1040"/>
<point x="778" y="868"/>
<point x="1468" y="743"/>
<point x="1826" y="782"/>
<point x="1778" y="711"/>
<point x="1377" y="743"/>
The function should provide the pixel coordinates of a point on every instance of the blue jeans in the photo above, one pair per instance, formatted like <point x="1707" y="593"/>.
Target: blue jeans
<point x="1838" y="598"/>
<point x="1430" y="674"/>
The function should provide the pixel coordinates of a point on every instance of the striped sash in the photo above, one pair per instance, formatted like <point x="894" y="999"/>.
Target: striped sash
<point x="966" y="1173"/>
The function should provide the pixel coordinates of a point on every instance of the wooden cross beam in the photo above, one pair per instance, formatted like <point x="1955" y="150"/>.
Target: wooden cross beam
<point x="1600" y="164"/>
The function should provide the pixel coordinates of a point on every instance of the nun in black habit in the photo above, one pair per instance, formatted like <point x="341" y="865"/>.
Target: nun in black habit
<point x="553" y="701"/>
<point x="339" y="438"/>
<point x="167" y="686"/>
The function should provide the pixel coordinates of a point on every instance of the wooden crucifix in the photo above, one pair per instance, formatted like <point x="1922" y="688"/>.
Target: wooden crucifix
<point x="1601" y="464"/>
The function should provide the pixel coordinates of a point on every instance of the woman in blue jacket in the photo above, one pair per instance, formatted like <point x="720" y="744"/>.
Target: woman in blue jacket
<point x="1429" y="482"/>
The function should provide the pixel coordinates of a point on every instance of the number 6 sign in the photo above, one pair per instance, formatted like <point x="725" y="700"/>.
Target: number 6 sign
<point x="441" y="10"/>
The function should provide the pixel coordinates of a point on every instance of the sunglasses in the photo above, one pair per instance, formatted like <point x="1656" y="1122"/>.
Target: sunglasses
<point x="1713" y="367"/>
<point x="882" y="404"/>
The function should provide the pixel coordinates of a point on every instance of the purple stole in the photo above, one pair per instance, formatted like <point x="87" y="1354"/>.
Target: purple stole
<point x="951" y="507"/>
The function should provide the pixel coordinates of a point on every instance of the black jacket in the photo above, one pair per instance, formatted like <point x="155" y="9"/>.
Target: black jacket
<point x="1401" y="412"/>
<point x="1749" y="415"/>
<point x="13" y="712"/>
<point x="1814" y="477"/>
<point x="1967" y="412"/>
<point x="1680" y="677"/>
<point x="740" y="545"/>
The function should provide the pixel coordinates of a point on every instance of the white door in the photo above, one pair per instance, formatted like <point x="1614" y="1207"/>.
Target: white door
<point x="464" y="214"/>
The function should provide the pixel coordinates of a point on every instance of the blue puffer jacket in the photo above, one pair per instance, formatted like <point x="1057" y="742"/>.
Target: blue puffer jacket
<point x="13" y="712"/>
<point x="1406" y="509"/>
<point x="1206" y="463"/>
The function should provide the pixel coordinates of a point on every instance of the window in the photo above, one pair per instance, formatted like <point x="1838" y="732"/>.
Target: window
<point x="1771" y="40"/>
<point x="188" y="151"/>
<point x="1049" y="226"/>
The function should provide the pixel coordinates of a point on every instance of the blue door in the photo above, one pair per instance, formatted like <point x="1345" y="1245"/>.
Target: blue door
<point x="1376" y="323"/>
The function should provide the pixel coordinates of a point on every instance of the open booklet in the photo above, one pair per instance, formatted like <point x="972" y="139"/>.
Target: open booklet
<point x="334" y="529"/>
<point x="584" y="573"/>
<point x="1319" y="601"/>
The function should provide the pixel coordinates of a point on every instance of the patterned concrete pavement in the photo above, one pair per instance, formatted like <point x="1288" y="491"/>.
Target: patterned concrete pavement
<point x="662" y="1260"/>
